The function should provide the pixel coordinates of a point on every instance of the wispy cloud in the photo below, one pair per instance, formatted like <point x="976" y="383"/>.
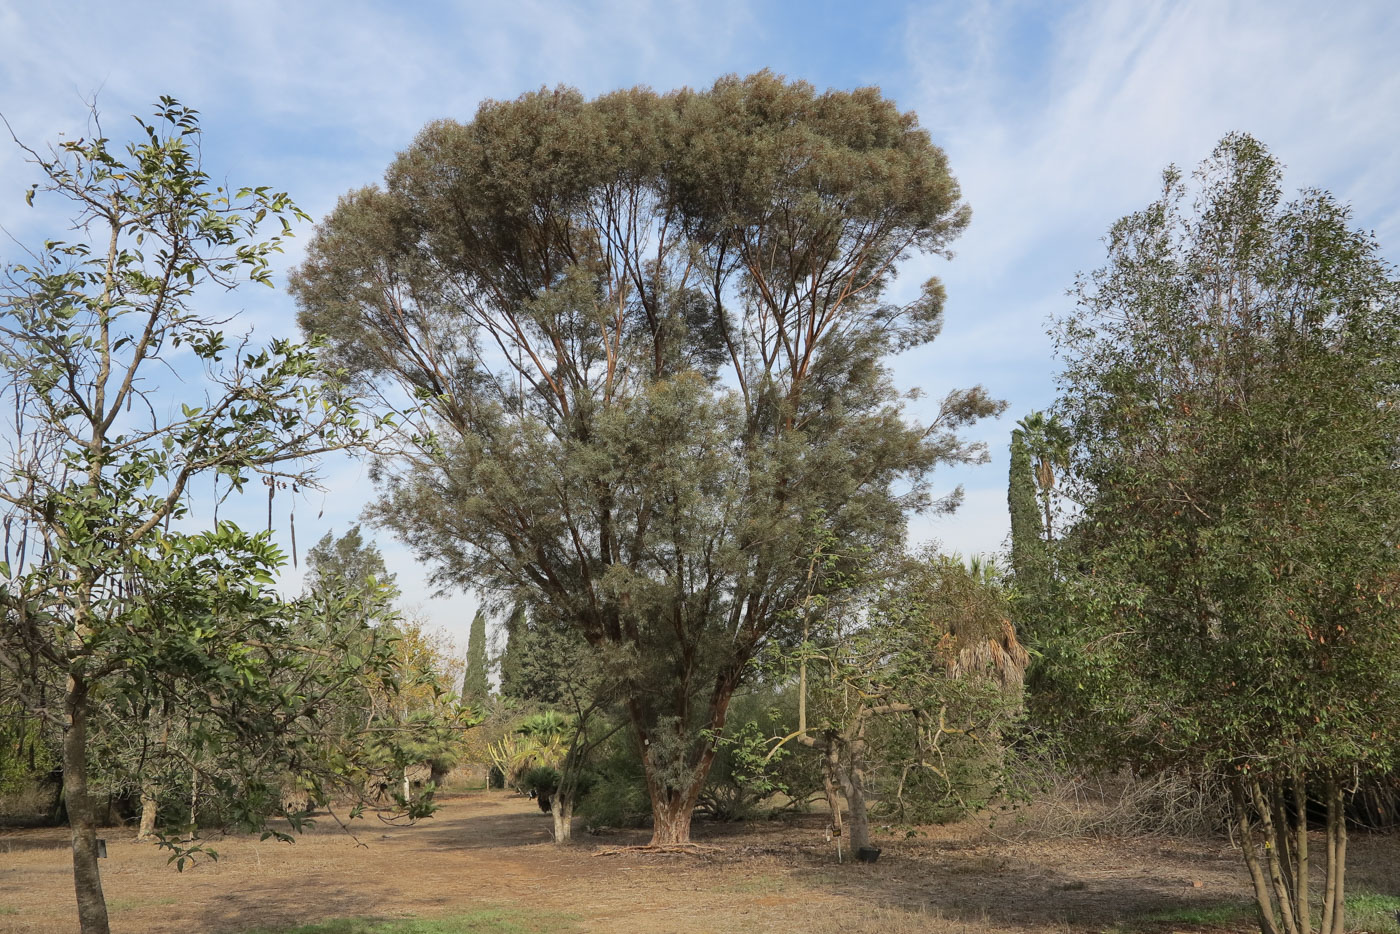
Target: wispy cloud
<point x="1057" y="125"/>
<point x="1057" y="119"/>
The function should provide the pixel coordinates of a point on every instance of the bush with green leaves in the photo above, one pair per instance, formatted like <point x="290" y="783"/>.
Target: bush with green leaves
<point x="1227" y="591"/>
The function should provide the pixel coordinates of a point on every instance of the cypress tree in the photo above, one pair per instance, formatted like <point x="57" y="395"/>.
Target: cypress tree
<point x="1029" y="561"/>
<point x="475" y="686"/>
<point x="512" y="678"/>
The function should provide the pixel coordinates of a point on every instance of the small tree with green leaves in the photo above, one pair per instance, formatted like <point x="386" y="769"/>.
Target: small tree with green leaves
<point x="1229" y="588"/>
<point x="412" y="720"/>
<point x="97" y="461"/>
<point x="912" y="678"/>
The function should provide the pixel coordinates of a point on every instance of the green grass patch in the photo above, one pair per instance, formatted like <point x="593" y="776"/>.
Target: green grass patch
<point x="1367" y="911"/>
<point x="7" y="910"/>
<point x="487" y="921"/>
<point x="1206" y="914"/>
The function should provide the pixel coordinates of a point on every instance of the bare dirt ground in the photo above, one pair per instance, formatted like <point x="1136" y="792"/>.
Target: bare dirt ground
<point x="491" y="850"/>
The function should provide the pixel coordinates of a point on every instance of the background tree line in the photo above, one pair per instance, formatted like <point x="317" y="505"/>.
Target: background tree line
<point x="623" y="363"/>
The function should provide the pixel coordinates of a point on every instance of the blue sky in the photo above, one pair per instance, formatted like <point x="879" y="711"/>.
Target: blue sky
<point x="1057" y="118"/>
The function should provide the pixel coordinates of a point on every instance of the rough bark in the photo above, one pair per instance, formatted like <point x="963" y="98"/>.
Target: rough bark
<point x="147" y="828"/>
<point x="92" y="906"/>
<point x="672" y="808"/>
<point x="671" y="813"/>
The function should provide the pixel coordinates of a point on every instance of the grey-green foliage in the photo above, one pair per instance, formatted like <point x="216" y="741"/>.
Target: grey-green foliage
<point x="1229" y="587"/>
<point x="648" y="332"/>
<point x="347" y="563"/>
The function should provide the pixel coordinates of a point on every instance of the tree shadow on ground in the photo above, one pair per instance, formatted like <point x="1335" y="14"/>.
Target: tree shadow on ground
<point x="283" y="904"/>
<point x="505" y="827"/>
<point x="1004" y="883"/>
<point x="48" y="838"/>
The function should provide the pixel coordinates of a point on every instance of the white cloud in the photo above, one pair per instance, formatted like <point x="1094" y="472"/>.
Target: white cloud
<point x="1056" y="127"/>
<point x="1057" y="119"/>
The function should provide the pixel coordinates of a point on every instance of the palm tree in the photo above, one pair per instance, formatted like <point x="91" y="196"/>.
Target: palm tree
<point x="1048" y="442"/>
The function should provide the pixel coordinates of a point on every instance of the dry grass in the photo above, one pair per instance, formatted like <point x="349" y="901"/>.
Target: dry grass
<point x="489" y="853"/>
<point x="1122" y="804"/>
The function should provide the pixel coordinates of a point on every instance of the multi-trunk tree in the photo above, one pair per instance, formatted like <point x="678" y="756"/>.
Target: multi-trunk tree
<point x="105" y="612"/>
<point x="1232" y="392"/>
<point x="906" y="685"/>
<point x="647" y="334"/>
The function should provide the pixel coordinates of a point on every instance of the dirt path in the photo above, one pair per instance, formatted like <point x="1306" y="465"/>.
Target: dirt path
<point x="493" y="851"/>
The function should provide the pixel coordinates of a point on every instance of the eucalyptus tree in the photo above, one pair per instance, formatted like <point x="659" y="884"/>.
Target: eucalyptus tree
<point x="102" y="606"/>
<point x="1230" y="390"/>
<point x="647" y="334"/>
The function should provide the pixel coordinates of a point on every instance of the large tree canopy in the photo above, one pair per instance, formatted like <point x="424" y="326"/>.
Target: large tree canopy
<point x="1231" y="392"/>
<point x="648" y="331"/>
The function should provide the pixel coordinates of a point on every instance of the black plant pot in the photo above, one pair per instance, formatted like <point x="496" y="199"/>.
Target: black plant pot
<point x="868" y="854"/>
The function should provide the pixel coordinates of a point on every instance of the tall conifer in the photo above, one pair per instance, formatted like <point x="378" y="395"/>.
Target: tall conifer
<point x="475" y="685"/>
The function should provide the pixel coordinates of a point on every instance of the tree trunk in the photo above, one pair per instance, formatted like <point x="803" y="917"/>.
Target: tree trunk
<point x="831" y="778"/>
<point x="194" y="799"/>
<point x="670" y="815"/>
<point x="671" y="807"/>
<point x="1263" y="900"/>
<point x="1276" y="853"/>
<point x="147" y="827"/>
<point x="853" y="785"/>
<point x="860" y="818"/>
<point x="1337" y="866"/>
<point x="1300" y="849"/>
<point x="563" y="812"/>
<point x="92" y="906"/>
